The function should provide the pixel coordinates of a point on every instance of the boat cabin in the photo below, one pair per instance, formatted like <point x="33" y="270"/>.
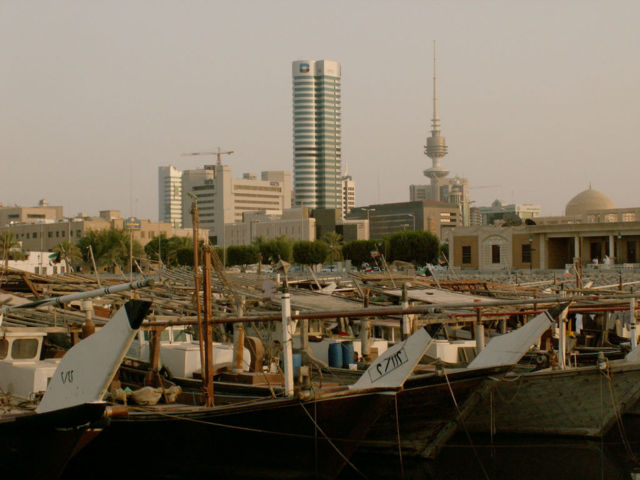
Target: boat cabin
<point x="22" y="373"/>
<point x="180" y="353"/>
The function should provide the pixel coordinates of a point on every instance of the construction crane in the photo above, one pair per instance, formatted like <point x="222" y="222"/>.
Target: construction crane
<point x="218" y="154"/>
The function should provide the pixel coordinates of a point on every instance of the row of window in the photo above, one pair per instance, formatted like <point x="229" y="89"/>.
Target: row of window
<point x="525" y="254"/>
<point x="58" y="234"/>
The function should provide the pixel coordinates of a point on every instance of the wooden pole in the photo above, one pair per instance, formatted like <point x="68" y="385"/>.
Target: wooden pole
<point x="95" y="269"/>
<point x="196" y="280"/>
<point x="406" y="320"/>
<point x="208" y="336"/>
<point x="238" y="338"/>
<point x="365" y="328"/>
<point x="154" y="356"/>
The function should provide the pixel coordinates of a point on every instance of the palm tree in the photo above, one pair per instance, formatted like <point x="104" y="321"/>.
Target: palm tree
<point x="110" y="247"/>
<point x="7" y="242"/>
<point x="334" y="241"/>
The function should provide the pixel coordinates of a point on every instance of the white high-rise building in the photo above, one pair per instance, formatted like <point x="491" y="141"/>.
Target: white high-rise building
<point x="170" y="196"/>
<point x="317" y="133"/>
<point x="348" y="194"/>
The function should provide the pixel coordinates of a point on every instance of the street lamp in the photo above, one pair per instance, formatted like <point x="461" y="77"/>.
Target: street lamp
<point x="413" y="217"/>
<point x="369" y="210"/>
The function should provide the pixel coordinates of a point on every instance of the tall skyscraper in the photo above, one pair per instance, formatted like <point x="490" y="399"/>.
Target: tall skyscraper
<point x="317" y="133"/>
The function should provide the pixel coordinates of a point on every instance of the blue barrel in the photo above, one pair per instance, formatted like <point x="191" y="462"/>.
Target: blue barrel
<point x="335" y="355"/>
<point x="347" y="354"/>
<point x="297" y="362"/>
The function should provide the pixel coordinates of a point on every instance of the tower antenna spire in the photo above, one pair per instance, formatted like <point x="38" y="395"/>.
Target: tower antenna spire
<point x="436" y="147"/>
<point x="436" y="120"/>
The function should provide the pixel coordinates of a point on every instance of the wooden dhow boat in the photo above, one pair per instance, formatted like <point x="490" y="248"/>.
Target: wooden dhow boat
<point x="582" y="401"/>
<point x="37" y="439"/>
<point x="431" y="407"/>
<point x="310" y="435"/>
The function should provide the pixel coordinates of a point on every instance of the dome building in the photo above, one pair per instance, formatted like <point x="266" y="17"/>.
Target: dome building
<point x="593" y="232"/>
<point x="588" y="201"/>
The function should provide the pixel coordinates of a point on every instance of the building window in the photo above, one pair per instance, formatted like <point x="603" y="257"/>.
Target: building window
<point x="78" y="233"/>
<point x="57" y="234"/>
<point x="495" y="253"/>
<point x="526" y="253"/>
<point x="466" y="255"/>
<point x="49" y="234"/>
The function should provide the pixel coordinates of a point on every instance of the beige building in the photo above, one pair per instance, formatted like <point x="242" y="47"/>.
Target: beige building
<point x="593" y="231"/>
<point x="17" y="214"/>
<point x="294" y="223"/>
<point x="45" y="235"/>
<point x="223" y="199"/>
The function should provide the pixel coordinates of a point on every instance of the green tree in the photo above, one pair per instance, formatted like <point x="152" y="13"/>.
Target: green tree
<point x="110" y="247"/>
<point x="184" y="256"/>
<point x="310" y="253"/>
<point x="242" y="254"/>
<point x="359" y="251"/>
<point x="7" y="242"/>
<point x="167" y="248"/>
<point x="334" y="242"/>
<point x="280" y="248"/>
<point x="417" y="247"/>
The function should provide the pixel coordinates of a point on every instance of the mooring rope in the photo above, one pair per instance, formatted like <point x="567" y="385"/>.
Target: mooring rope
<point x="395" y="398"/>
<point x="621" y="430"/>
<point x="455" y="402"/>
<point x="347" y="461"/>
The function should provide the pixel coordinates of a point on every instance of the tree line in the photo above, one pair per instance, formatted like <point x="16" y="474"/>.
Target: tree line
<point x="111" y="248"/>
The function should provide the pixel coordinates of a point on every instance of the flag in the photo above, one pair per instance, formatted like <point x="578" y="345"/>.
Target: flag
<point x="55" y="257"/>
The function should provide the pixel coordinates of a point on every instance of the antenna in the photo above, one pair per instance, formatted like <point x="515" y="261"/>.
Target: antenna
<point x="436" y="120"/>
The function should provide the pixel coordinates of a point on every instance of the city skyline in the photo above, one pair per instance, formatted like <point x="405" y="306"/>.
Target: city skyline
<point x="538" y="98"/>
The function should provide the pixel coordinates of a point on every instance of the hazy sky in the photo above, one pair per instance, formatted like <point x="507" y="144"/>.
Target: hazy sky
<point x="537" y="98"/>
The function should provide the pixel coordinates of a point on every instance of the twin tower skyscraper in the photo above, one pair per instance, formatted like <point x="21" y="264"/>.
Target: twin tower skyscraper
<point x="317" y="134"/>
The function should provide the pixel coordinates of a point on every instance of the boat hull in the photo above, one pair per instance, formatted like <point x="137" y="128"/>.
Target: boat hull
<point x="39" y="446"/>
<point x="583" y="401"/>
<point x="274" y="438"/>
<point x="427" y="415"/>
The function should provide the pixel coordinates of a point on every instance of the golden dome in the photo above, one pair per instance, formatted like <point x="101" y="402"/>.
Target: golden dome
<point x="587" y="201"/>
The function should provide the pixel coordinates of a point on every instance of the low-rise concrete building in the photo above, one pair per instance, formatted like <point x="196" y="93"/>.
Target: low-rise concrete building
<point x="44" y="235"/>
<point x="499" y="211"/>
<point x="294" y="223"/>
<point x="425" y="215"/>
<point x="18" y="214"/>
